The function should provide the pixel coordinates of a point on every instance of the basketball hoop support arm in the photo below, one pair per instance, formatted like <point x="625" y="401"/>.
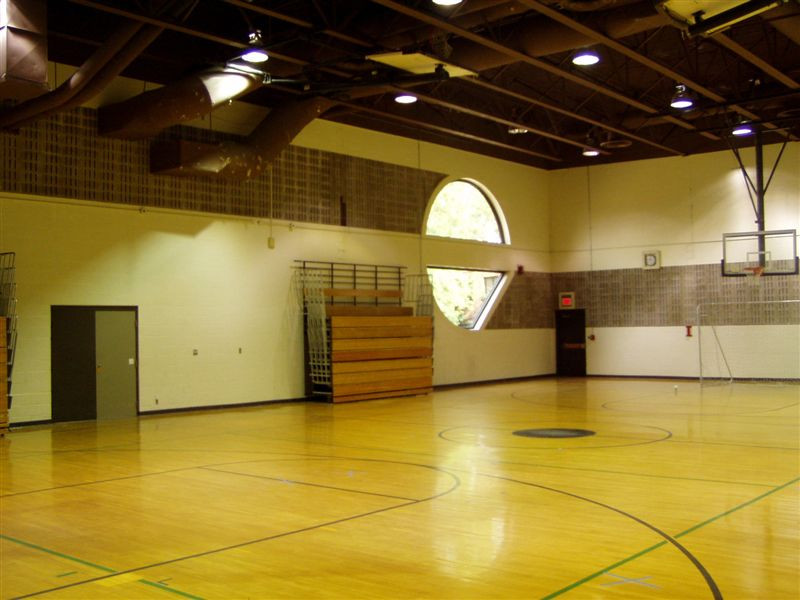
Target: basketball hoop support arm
<point x="758" y="188"/>
<point x="760" y="196"/>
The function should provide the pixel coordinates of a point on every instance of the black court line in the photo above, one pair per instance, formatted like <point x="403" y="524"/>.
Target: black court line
<point x="563" y="404"/>
<point x="683" y="533"/>
<point x="442" y="435"/>
<point x="453" y="476"/>
<point x="124" y="477"/>
<point x="494" y="462"/>
<point x="629" y="473"/>
<point x="735" y="445"/>
<point x="751" y="414"/>
<point x="307" y="483"/>
<point x="715" y="591"/>
<point x="666" y="413"/>
<point x="376" y="449"/>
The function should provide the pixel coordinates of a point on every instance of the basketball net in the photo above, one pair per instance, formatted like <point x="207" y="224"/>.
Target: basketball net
<point x="754" y="274"/>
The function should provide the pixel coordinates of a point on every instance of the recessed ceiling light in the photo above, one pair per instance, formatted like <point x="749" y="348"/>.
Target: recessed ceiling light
<point x="585" y="58"/>
<point x="405" y="99"/>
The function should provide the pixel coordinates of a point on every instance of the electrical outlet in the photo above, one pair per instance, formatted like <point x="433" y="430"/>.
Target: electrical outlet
<point x="156" y="401"/>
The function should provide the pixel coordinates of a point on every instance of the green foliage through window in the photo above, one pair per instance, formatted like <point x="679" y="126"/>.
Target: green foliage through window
<point x="462" y="294"/>
<point x="462" y="210"/>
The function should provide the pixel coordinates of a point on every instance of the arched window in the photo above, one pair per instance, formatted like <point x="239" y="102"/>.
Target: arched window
<point x="462" y="209"/>
<point x="465" y="210"/>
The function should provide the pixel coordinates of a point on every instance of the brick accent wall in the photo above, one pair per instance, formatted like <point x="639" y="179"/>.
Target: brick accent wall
<point x="62" y="156"/>
<point x="648" y="298"/>
<point x="526" y="304"/>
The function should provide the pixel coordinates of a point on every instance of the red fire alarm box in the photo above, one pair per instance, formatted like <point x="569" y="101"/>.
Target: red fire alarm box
<point x="566" y="300"/>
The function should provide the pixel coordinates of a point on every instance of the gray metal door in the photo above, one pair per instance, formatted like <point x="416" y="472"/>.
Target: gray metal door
<point x="115" y="356"/>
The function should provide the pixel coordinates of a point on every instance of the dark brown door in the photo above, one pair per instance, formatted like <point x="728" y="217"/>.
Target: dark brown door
<point x="571" y="343"/>
<point x="93" y="362"/>
<point x="72" y="363"/>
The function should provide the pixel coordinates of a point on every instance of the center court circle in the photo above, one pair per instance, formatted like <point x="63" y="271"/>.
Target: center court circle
<point x="553" y="432"/>
<point x="556" y="435"/>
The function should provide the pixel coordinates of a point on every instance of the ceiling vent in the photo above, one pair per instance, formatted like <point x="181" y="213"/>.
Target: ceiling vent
<point x="615" y="144"/>
<point x="23" y="49"/>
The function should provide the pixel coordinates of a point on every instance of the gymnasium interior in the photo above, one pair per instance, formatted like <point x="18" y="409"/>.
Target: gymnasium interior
<point x="400" y="299"/>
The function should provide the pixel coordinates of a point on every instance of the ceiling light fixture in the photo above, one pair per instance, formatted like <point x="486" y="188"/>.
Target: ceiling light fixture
<point x="405" y="99"/>
<point x="585" y="58"/>
<point x="447" y="2"/>
<point x="742" y="129"/>
<point x="255" y="52"/>
<point x="681" y="99"/>
<point x="590" y="147"/>
<point x="517" y="130"/>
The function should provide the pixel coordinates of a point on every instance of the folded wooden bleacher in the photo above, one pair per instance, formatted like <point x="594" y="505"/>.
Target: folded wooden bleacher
<point x="367" y="335"/>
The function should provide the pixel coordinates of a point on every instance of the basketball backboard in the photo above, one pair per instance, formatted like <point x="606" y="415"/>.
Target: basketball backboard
<point x="767" y="252"/>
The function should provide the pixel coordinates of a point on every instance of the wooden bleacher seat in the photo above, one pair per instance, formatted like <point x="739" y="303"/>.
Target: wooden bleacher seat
<point x="380" y="350"/>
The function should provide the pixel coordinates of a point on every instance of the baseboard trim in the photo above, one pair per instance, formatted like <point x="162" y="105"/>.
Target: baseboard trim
<point x="165" y="411"/>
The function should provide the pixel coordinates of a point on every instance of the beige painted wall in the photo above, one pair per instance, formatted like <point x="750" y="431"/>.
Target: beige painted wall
<point x="210" y="283"/>
<point x="606" y="216"/>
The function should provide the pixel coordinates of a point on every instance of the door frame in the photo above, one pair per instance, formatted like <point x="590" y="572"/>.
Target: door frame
<point x="94" y="309"/>
<point x="582" y="343"/>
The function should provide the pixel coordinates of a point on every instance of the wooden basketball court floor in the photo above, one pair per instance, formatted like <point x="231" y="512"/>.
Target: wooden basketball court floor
<point x="680" y="493"/>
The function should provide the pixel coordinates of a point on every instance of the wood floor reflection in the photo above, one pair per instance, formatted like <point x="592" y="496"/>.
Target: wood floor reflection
<point x="677" y="492"/>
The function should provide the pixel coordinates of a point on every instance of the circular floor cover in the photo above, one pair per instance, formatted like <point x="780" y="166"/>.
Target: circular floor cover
<point x="554" y="433"/>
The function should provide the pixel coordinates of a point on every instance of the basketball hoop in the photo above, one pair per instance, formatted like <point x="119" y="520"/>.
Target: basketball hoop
<point x="753" y="274"/>
<point x="753" y="271"/>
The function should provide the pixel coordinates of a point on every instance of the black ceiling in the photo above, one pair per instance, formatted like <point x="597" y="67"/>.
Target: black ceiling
<point x="520" y="51"/>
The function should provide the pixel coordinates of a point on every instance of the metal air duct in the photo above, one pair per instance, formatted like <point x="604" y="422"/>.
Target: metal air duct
<point x="23" y="49"/>
<point x="234" y="159"/>
<point x="91" y="68"/>
<point x="148" y="113"/>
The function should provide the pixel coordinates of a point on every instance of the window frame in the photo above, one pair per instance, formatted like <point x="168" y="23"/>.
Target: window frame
<point x="487" y="306"/>
<point x="494" y="206"/>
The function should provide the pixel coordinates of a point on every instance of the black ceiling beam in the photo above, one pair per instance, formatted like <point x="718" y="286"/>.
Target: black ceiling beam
<point x="447" y="130"/>
<point x="551" y="107"/>
<point x="641" y="59"/>
<point x="522" y="57"/>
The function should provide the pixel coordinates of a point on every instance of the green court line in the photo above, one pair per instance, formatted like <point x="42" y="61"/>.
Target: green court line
<point x="735" y="508"/>
<point x="588" y="578"/>
<point x="92" y="565"/>
<point x="166" y="588"/>
<point x="59" y="554"/>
